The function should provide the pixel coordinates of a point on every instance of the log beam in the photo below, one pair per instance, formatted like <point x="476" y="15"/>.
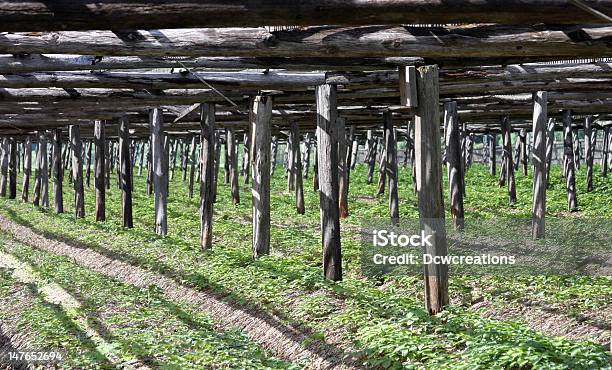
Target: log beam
<point x="262" y="109"/>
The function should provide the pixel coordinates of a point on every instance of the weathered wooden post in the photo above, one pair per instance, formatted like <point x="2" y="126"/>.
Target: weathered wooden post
<point x="274" y="150"/>
<point x="354" y="148"/>
<point x="588" y="151"/>
<point x="246" y="161"/>
<point x="226" y="161"/>
<point x="453" y="157"/>
<point x="349" y="154"/>
<point x="38" y="171"/>
<point x="58" y="198"/>
<point x="306" y="156"/>
<point x="604" y="151"/>
<point x="382" y="165"/>
<point x="315" y="171"/>
<point x="108" y="162"/>
<point x="523" y="150"/>
<point x="493" y="154"/>
<point x="262" y="109"/>
<point x="232" y="158"/>
<point x="12" y="168"/>
<point x="340" y="131"/>
<point x="371" y="154"/>
<point x="327" y="158"/>
<point x="292" y="147"/>
<point x="77" y="170"/>
<point x="44" y="178"/>
<point x="192" y="163"/>
<point x="570" y="178"/>
<point x="160" y="171"/>
<point x="99" y="179"/>
<point x="27" y="168"/>
<point x="576" y="148"/>
<point x="297" y="165"/>
<point x="509" y="166"/>
<point x="550" y="143"/>
<point x="89" y="155"/>
<point x="540" y="118"/>
<point x="4" y="159"/>
<point x="207" y="183"/>
<point x="429" y="185"/>
<point x="125" y="172"/>
<point x="391" y="167"/>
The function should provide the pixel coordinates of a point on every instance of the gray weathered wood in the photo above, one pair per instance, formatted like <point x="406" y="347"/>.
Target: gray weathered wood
<point x="453" y="157"/>
<point x="540" y="118"/>
<point x="297" y="165"/>
<point x="262" y="109"/>
<point x="4" y="164"/>
<point x="192" y="164"/>
<point x="12" y="168"/>
<point x="408" y="90"/>
<point x="382" y="165"/>
<point x="207" y="182"/>
<point x="340" y="132"/>
<point x="77" y="170"/>
<point x="588" y="151"/>
<point x="523" y="150"/>
<point x="99" y="166"/>
<point x="429" y="185"/>
<point x="371" y="155"/>
<point x="508" y="165"/>
<point x="391" y="165"/>
<point x="27" y="168"/>
<point x="125" y="173"/>
<point x="306" y="156"/>
<point x="605" y="151"/>
<point x="232" y="159"/>
<point x="570" y="177"/>
<point x="327" y="158"/>
<point x="493" y="154"/>
<point x="58" y="172"/>
<point x="550" y="143"/>
<point x="160" y="172"/>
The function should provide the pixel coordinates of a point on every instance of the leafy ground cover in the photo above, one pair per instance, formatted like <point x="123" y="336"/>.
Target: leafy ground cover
<point x="380" y="322"/>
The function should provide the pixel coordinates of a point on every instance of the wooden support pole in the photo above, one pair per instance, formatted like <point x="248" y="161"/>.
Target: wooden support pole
<point x="226" y="162"/>
<point x="12" y="168"/>
<point x="588" y="151"/>
<point x="217" y="164"/>
<point x="77" y="170"/>
<point x="429" y="185"/>
<point x="550" y="144"/>
<point x="160" y="172"/>
<point x="354" y="148"/>
<point x="125" y="173"/>
<point x="340" y="131"/>
<point x="58" y="172"/>
<point x="327" y="158"/>
<point x="605" y="151"/>
<point x="99" y="165"/>
<point x="45" y="171"/>
<point x="306" y="156"/>
<point x="382" y="171"/>
<point x="509" y="165"/>
<point x="89" y="155"/>
<point x="576" y="149"/>
<point x="315" y="171"/>
<point x="4" y="163"/>
<point x="27" y="168"/>
<point x="192" y="164"/>
<point x="493" y="154"/>
<point x="232" y="158"/>
<point x="41" y="154"/>
<point x="540" y="118"/>
<point x="350" y="133"/>
<point x="262" y="109"/>
<point x="207" y="137"/>
<point x="290" y="168"/>
<point x="173" y="155"/>
<point x="371" y="155"/>
<point x="391" y="165"/>
<point x="523" y="150"/>
<point x="297" y="165"/>
<point x="246" y="156"/>
<point x="408" y="90"/>
<point x="570" y="177"/>
<point x="453" y="157"/>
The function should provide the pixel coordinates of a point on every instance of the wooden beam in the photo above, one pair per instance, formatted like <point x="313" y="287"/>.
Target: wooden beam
<point x="87" y="14"/>
<point x="125" y="173"/>
<point x="160" y="172"/>
<point x="207" y="134"/>
<point x="429" y="185"/>
<point x="77" y="170"/>
<point x="327" y="158"/>
<point x="326" y="41"/>
<point x="58" y="172"/>
<point x="539" y="164"/>
<point x="262" y="109"/>
<point x="455" y="169"/>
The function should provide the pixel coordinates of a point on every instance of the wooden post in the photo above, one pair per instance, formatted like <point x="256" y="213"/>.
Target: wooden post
<point x="125" y="173"/>
<point x="297" y="165"/>
<point x="40" y="153"/>
<point x="273" y="157"/>
<point x="262" y="109"/>
<point x="160" y="171"/>
<point x="327" y="158"/>
<point x="12" y="168"/>
<point x="371" y="155"/>
<point x="232" y="158"/>
<point x="540" y="118"/>
<point x="349" y="154"/>
<point x="523" y="148"/>
<point x="77" y="170"/>
<point x="340" y="131"/>
<point x="306" y="156"/>
<point x="315" y="171"/>
<point x="408" y="86"/>
<point x="604" y="151"/>
<point x="207" y="137"/>
<point x="217" y="162"/>
<point x="27" y="168"/>
<point x="588" y="151"/>
<point x="89" y="155"/>
<point x="192" y="163"/>
<point x="429" y="185"/>
<point x="108" y="162"/>
<point x="226" y="162"/>
<point x="382" y="172"/>
<point x="493" y="154"/>
<point x="509" y="165"/>
<point x="99" y="165"/>
<point x="550" y="143"/>
<point x="44" y="178"/>
<point x="453" y="157"/>
<point x="4" y="159"/>
<point x="391" y="165"/>
<point x="570" y="178"/>
<point x="58" y="198"/>
<point x="576" y="147"/>
<point x="246" y="154"/>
